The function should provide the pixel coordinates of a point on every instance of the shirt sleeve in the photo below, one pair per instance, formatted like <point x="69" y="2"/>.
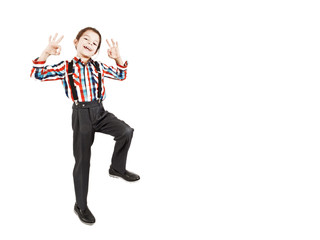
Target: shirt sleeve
<point x="43" y="72"/>
<point x="119" y="73"/>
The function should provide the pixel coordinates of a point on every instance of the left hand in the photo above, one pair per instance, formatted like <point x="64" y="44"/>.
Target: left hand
<point x="113" y="51"/>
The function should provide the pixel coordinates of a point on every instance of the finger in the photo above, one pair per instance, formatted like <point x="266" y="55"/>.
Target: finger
<point x="59" y="40"/>
<point x="112" y="42"/>
<point x="108" y="43"/>
<point x="116" y="43"/>
<point x="50" y="39"/>
<point x="55" y="36"/>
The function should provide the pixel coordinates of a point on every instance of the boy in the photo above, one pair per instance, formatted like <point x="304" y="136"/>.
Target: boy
<point x="83" y="81"/>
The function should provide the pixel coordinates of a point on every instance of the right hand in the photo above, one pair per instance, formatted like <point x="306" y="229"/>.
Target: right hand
<point x="53" y="47"/>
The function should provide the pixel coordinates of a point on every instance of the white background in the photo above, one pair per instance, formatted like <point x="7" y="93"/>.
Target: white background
<point x="224" y="99"/>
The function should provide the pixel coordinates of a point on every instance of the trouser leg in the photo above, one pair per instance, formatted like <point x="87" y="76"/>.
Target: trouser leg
<point x="108" y="123"/>
<point x="83" y="137"/>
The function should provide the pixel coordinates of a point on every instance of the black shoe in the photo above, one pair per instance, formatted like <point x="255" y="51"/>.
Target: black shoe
<point x="85" y="215"/>
<point x="128" y="176"/>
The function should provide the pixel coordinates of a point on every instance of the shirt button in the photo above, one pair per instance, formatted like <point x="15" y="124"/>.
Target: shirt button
<point x="83" y="105"/>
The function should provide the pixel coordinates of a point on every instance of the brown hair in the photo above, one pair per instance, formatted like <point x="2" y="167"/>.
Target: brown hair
<point x="92" y="29"/>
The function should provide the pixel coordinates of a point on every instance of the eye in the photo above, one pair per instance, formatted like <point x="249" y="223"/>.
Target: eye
<point x="95" y="44"/>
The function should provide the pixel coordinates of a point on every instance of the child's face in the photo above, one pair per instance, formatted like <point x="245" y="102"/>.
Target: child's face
<point x="87" y="44"/>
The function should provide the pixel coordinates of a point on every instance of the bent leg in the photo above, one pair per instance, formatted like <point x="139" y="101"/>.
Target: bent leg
<point x="108" y="123"/>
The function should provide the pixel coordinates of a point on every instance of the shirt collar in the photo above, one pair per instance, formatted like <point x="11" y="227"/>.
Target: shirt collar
<point x="76" y="60"/>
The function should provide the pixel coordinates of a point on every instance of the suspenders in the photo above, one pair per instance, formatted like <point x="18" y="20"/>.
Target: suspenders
<point x="71" y="82"/>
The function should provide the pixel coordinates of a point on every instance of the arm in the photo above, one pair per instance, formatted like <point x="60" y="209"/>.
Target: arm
<point x="49" y="73"/>
<point x="43" y="72"/>
<point x="110" y="72"/>
<point x="119" y="73"/>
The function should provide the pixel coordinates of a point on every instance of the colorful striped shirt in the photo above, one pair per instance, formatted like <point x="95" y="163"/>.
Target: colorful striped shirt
<point x="85" y="76"/>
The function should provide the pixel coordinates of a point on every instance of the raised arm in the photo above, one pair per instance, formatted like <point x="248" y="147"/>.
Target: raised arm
<point x="43" y="72"/>
<point x="119" y="73"/>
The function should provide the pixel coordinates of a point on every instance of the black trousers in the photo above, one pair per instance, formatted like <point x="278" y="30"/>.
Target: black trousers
<point x="88" y="118"/>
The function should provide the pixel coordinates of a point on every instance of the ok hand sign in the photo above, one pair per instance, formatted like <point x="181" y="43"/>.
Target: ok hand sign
<point x="53" y="47"/>
<point x="113" y="51"/>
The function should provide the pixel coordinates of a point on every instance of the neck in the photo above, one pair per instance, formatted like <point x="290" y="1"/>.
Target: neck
<point x="84" y="59"/>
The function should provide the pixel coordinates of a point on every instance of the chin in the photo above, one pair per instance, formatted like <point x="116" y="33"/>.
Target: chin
<point x="87" y="55"/>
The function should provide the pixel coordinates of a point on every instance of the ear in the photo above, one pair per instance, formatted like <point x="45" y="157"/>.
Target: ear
<point x="75" y="43"/>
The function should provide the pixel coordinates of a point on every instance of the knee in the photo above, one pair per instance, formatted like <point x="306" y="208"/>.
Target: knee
<point x="127" y="132"/>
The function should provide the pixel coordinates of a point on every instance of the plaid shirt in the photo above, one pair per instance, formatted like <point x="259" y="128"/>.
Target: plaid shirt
<point x="85" y="76"/>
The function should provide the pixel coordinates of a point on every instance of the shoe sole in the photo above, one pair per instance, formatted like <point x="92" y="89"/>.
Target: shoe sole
<point x="115" y="176"/>
<point x="86" y="223"/>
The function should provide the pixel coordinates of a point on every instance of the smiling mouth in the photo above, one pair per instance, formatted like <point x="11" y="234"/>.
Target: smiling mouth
<point x="89" y="49"/>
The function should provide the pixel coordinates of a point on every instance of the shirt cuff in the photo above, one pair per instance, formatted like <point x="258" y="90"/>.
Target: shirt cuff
<point x="37" y="63"/>
<point x="124" y="66"/>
